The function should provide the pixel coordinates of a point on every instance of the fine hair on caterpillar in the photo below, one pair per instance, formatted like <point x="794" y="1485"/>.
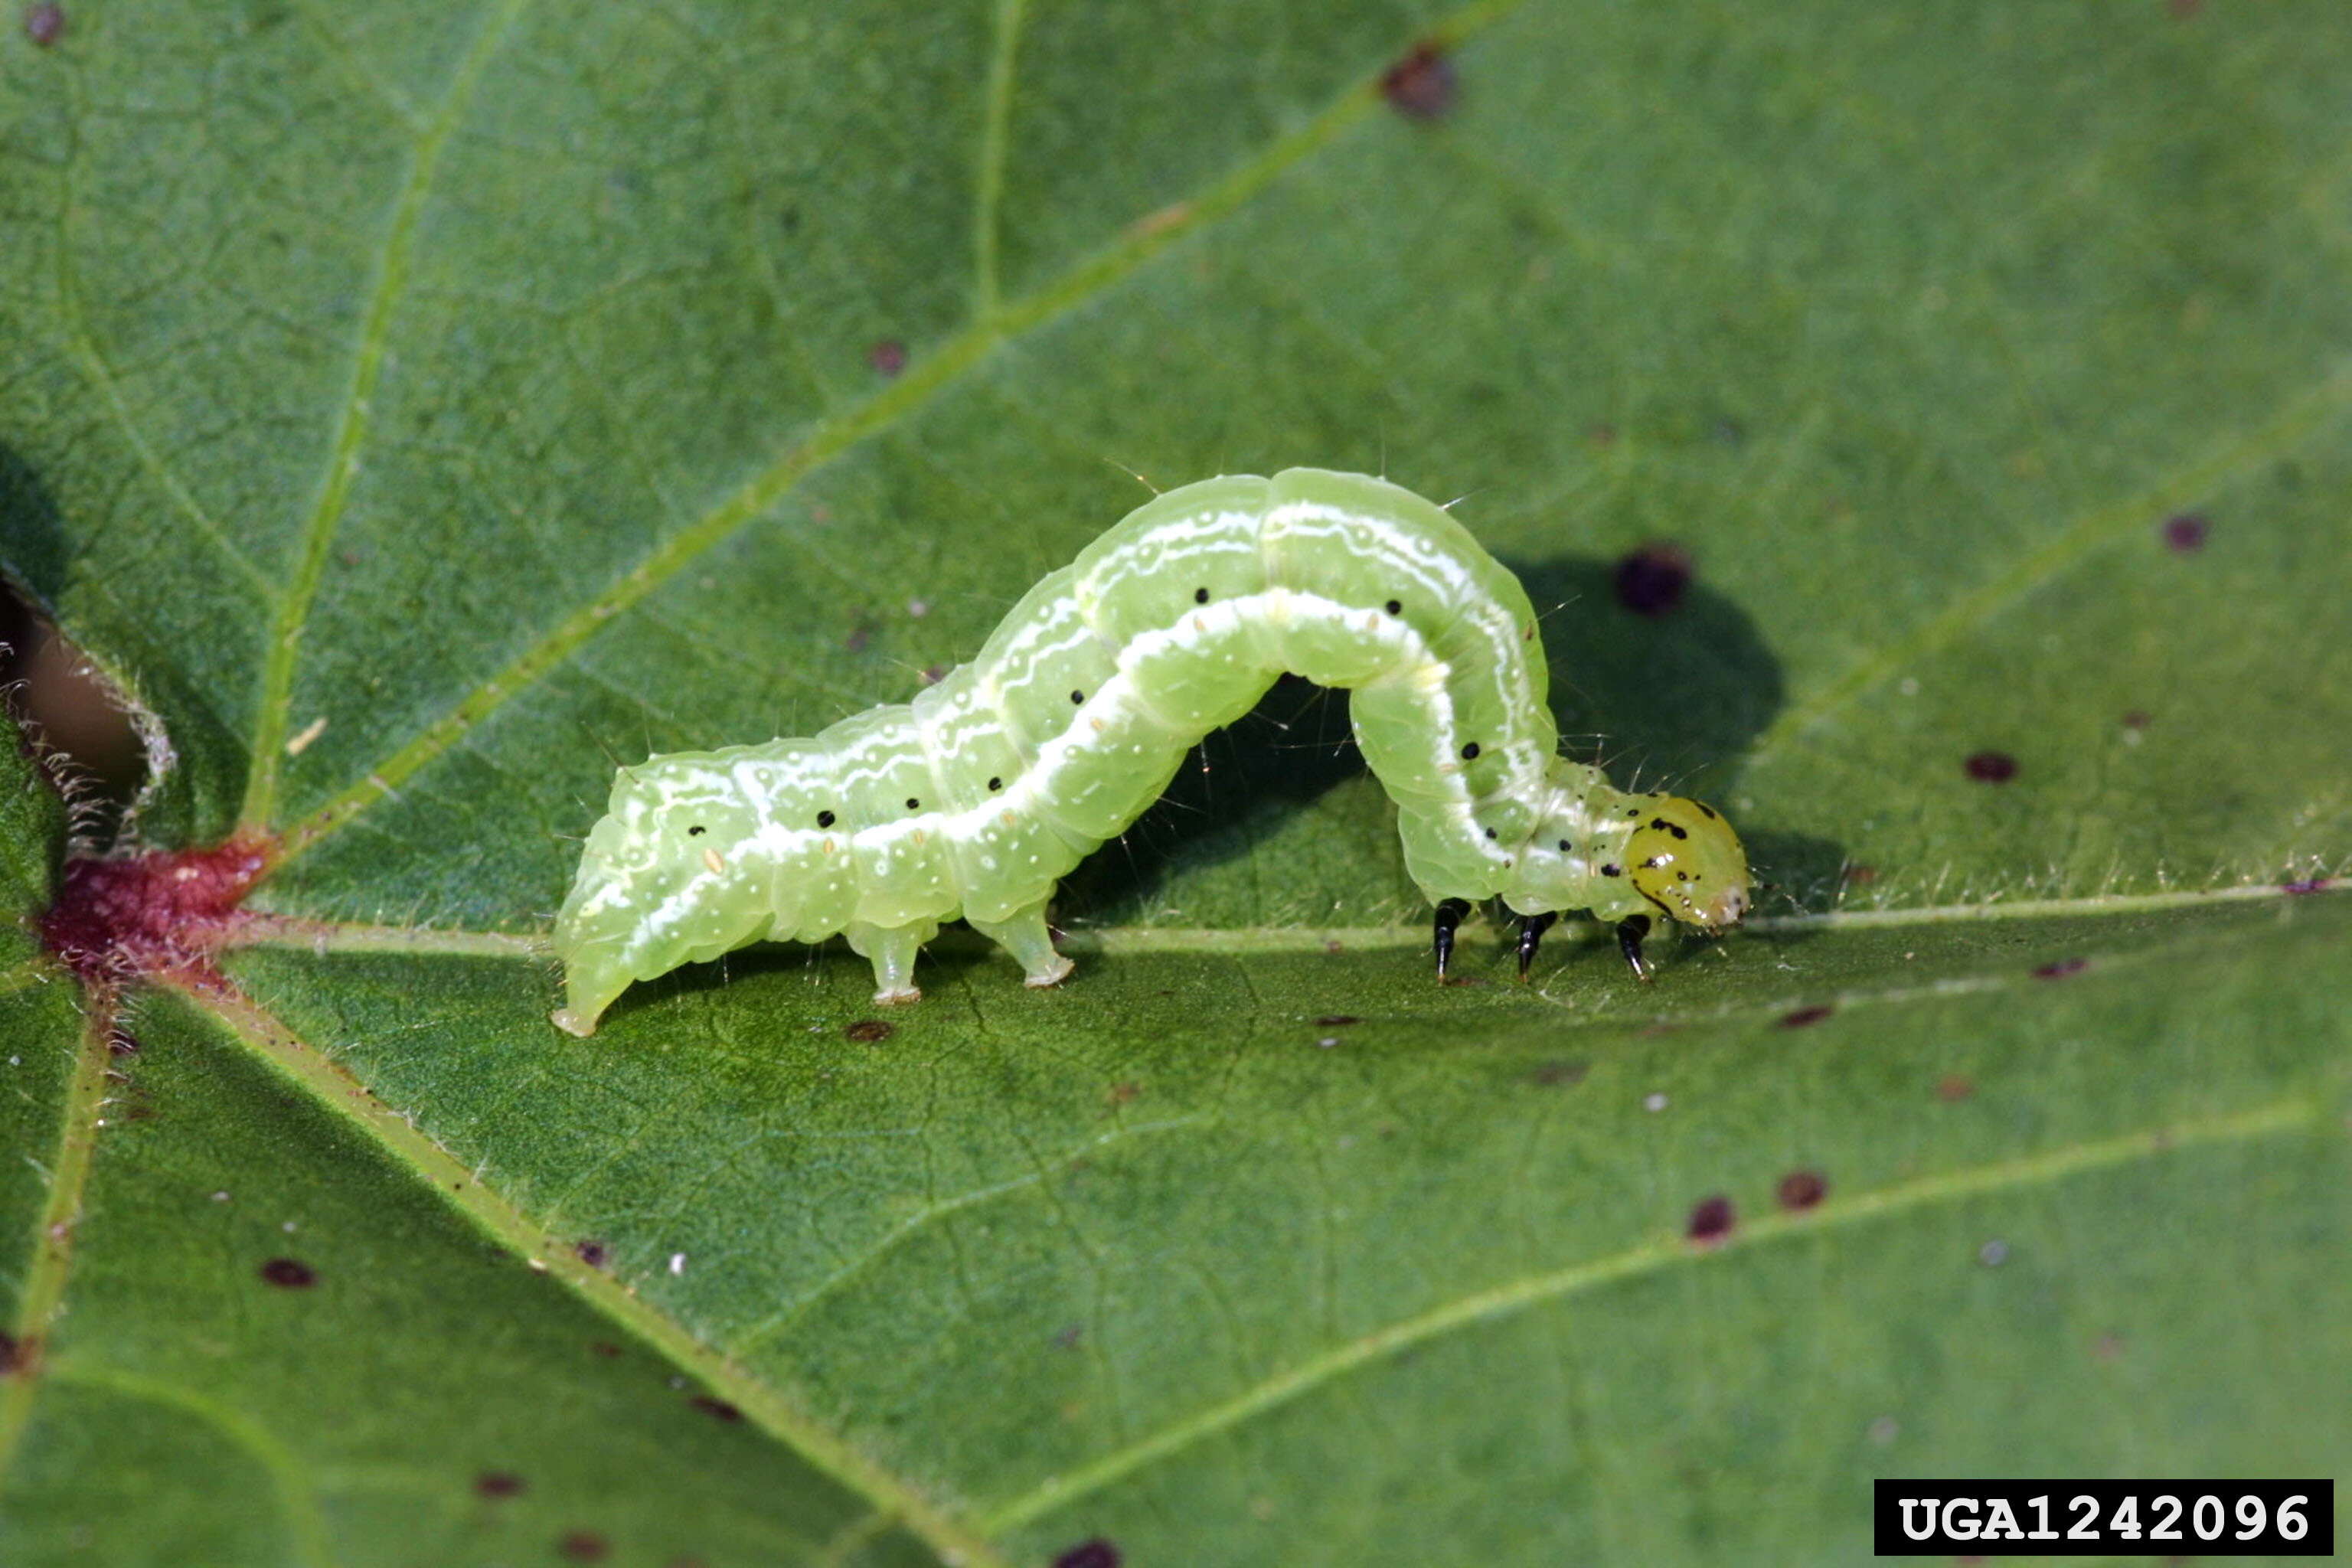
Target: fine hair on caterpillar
<point x="976" y="798"/>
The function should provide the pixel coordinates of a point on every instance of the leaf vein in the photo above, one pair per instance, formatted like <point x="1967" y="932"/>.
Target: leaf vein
<point x="1538" y="1290"/>
<point x="762" y="1403"/>
<point x="297" y="1496"/>
<point x="923" y="382"/>
<point x="352" y="427"/>
<point x="995" y="135"/>
<point x="2087" y="533"/>
<point x="41" y="1297"/>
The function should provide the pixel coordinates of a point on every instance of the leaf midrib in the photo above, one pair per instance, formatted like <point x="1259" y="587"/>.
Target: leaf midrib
<point x="348" y="936"/>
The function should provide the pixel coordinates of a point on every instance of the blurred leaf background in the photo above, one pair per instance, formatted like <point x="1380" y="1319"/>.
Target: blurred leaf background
<point x="412" y="409"/>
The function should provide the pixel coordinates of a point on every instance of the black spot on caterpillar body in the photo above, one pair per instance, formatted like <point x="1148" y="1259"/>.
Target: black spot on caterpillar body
<point x="1050" y="743"/>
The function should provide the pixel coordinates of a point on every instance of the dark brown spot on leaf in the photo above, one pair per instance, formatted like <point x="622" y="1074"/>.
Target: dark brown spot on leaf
<point x="1560" y="1075"/>
<point x="866" y="1031"/>
<point x="45" y="23"/>
<point x="1337" y="1020"/>
<point x="2059" y="968"/>
<point x="1800" y="1190"/>
<point x="2137" y="719"/>
<point x="499" y="1484"/>
<point x="1952" y="1088"/>
<point x="717" y="1409"/>
<point x="15" y="1354"/>
<point x="1804" y="1015"/>
<point x="1991" y="767"/>
<point x="1711" y="1220"/>
<point x="887" y="357"/>
<point x="1651" y="581"/>
<point x="289" y="1275"/>
<point x="2185" y="533"/>
<point x="605" y="1348"/>
<point x="595" y="1253"/>
<point x="1422" y="86"/>
<point x="584" y="1546"/>
<point x="1096" y="1553"/>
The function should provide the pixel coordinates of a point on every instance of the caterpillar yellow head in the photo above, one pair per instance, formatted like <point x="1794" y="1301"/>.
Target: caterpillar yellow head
<point x="1685" y="859"/>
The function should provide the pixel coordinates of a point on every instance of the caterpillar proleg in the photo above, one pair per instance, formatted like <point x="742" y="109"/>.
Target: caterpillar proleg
<point x="976" y="798"/>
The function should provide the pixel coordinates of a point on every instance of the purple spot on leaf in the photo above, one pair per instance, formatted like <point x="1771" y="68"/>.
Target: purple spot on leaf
<point x="289" y="1275"/>
<point x="1711" y="1220"/>
<point x="1800" y="1190"/>
<point x="1991" y="767"/>
<point x="1422" y="86"/>
<point x="1651" y="579"/>
<point x="2186" y="532"/>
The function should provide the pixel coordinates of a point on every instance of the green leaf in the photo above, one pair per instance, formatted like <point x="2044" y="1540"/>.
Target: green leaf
<point x="414" y="408"/>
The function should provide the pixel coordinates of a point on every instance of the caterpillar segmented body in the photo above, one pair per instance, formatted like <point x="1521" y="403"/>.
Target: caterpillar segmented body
<point x="976" y="798"/>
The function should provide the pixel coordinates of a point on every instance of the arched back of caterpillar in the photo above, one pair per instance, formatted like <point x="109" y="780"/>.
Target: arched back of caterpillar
<point x="976" y="798"/>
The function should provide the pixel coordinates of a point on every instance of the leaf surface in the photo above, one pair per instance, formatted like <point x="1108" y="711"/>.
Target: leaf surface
<point x="415" y="408"/>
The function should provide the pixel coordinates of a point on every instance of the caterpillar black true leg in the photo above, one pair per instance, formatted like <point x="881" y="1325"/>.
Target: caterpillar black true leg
<point x="1630" y="933"/>
<point x="1449" y="915"/>
<point x="1531" y="929"/>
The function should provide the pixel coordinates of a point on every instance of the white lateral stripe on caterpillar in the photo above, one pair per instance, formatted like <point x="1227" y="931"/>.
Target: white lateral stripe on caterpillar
<point x="1068" y="749"/>
<point x="975" y="799"/>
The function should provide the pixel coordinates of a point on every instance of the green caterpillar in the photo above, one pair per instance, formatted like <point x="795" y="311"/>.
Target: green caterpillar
<point x="975" y="799"/>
